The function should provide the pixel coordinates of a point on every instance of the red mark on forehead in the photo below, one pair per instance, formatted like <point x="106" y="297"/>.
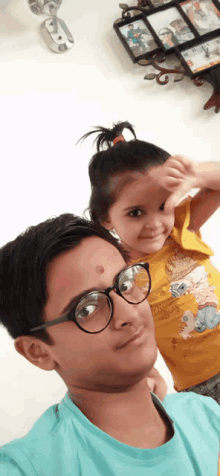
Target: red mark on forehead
<point x="99" y="269"/>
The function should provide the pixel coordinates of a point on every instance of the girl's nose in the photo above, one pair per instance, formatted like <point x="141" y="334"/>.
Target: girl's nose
<point x="152" y="223"/>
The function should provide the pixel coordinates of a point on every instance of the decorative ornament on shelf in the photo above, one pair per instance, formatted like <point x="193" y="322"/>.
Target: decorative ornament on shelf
<point x="54" y="30"/>
<point x="141" y="3"/>
<point x="190" y="29"/>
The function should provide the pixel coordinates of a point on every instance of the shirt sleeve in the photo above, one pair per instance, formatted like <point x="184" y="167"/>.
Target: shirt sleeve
<point x="188" y="240"/>
<point x="9" y="470"/>
<point x="9" y="466"/>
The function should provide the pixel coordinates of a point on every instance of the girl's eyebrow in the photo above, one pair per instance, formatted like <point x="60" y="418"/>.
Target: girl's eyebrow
<point x="77" y="298"/>
<point x="133" y="207"/>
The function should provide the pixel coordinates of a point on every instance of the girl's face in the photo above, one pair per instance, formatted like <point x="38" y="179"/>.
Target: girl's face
<point x="138" y="216"/>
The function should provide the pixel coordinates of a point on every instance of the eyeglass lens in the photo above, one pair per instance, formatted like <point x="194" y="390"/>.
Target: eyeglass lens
<point x="93" y="312"/>
<point x="134" y="284"/>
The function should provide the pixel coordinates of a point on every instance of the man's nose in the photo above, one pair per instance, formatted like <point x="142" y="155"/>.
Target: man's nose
<point x="124" y="313"/>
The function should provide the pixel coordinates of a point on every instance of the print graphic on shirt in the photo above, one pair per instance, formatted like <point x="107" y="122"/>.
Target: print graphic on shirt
<point x="178" y="267"/>
<point x="187" y="277"/>
<point x="187" y="325"/>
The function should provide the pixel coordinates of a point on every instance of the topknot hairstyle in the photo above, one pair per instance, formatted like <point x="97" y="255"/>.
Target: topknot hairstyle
<point x="115" y="160"/>
<point x="106" y="136"/>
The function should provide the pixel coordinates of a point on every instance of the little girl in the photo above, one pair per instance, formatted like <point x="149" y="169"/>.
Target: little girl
<point x="136" y="188"/>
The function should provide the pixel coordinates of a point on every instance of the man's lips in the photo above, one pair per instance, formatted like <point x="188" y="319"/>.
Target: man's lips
<point x="132" y="338"/>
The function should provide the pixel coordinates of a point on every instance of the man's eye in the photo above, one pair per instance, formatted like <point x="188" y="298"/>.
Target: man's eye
<point x="162" y="206"/>
<point x="86" y="311"/>
<point x="135" y="213"/>
<point x="126" y="286"/>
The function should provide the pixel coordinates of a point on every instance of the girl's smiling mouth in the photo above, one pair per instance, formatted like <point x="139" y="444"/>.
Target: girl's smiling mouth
<point x="154" y="237"/>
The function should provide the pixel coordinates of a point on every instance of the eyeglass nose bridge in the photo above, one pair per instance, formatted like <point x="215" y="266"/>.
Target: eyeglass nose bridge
<point x="111" y="288"/>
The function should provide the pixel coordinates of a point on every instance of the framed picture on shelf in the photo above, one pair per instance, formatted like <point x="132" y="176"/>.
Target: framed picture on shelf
<point x="203" y="14"/>
<point x="201" y="57"/>
<point x="179" y="26"/>
<point x="190" y="29"/>
<point x="171" y="27"/>
<point x="136" y="37"/>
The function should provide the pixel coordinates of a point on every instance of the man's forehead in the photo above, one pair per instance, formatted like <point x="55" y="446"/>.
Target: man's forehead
<point x="93" y="263"/>
<point x="91" y="254"/>
<point x="100" y="256"/>
<point x="99" y="249"/>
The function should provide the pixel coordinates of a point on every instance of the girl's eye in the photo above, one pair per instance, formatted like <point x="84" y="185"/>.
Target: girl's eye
<point x="162" y="206"/>
<point x="135" y="213"/>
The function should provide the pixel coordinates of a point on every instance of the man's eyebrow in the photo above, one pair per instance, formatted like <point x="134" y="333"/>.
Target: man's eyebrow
<point x="77" y="298"/>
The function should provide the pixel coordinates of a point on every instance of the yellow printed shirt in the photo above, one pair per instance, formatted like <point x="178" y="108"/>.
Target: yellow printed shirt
<point x="184" y="301"/>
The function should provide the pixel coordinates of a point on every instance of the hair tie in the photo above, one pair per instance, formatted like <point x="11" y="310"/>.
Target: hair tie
<point x="118" y="139"/>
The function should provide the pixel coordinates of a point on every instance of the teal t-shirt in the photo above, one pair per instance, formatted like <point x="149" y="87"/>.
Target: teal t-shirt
<point x="63" y="442"/>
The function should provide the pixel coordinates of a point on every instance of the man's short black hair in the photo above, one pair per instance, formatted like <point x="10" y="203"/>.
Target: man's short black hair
<point x="23" y="267"/>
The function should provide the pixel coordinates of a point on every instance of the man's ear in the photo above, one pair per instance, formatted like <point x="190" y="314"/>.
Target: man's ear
<point x="35" y="351"/>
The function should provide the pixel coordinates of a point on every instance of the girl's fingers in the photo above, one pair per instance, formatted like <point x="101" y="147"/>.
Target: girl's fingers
<point x="182" y="160"/>
<point x="176" y="197"/>
<point x="176" y="164"/>
<point x="170" y="183"/>
<point x="165" y="172"/>
<point x="181" y="163"/>
<point x="173" y="200"/>
<point x="171" y="172"/>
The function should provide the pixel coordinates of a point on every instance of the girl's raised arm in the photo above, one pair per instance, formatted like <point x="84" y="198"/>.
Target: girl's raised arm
<point x="179" y="175"/>
<point x="207" y="200"/>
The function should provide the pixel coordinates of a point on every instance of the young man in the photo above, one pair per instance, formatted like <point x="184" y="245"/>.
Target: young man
<point x="73" y="306"/>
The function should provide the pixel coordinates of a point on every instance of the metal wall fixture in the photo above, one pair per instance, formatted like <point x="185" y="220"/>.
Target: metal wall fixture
<point x="54" y="30"/>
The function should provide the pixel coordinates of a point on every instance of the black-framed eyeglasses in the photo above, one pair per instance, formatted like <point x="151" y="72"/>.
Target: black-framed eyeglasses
<point x="93" y="312"/>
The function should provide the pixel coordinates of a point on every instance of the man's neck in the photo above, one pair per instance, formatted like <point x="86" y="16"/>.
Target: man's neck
<point x="129" y="416"/>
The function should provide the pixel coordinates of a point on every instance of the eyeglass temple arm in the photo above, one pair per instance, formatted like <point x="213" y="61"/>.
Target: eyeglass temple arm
<point x="52" y="323"/>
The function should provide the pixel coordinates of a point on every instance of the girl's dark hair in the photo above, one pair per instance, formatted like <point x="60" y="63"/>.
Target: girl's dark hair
<point x="132" y="156"/>
<point x="23" y="269"/>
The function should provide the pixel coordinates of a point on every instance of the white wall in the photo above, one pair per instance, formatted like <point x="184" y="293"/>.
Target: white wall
<point x="48" y="102"/>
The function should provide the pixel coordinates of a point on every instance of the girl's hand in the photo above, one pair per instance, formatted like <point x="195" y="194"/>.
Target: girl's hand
<point x="178" y="176"/>
<point x="157" y="384"/>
